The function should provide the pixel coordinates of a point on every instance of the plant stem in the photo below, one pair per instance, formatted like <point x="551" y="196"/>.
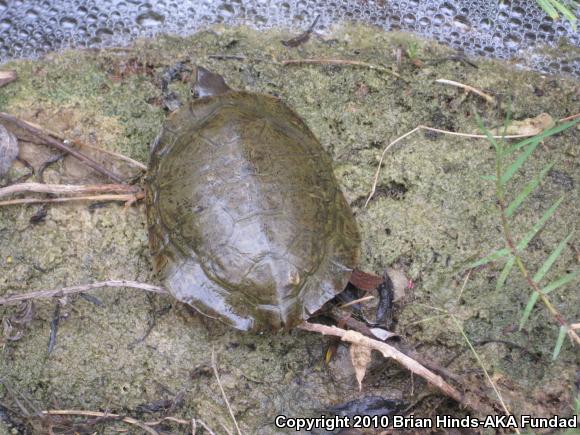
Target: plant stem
<point x="514" y="251"/>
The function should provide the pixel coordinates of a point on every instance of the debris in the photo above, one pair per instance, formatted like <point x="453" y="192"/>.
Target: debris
<point x="360" y="357"/>
<point x="468" y="88"/>
<point x="8" y="149"/>
<point x="7" y="77"/>
<point x="528" y="126"/>
<point x="61" y="145"/>
<point x="303" y="37"/>
<point x="388" y="351"/>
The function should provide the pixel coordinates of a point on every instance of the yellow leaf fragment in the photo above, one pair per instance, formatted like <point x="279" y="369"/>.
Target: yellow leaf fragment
<point x="528" y="126"/>
<point x="360" y="357"/>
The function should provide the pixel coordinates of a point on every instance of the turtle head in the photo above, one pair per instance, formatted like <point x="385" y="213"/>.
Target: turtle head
<point x="208" y="84"/>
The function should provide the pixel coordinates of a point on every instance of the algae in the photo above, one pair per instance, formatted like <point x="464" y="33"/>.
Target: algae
<point x="431" y="216"/>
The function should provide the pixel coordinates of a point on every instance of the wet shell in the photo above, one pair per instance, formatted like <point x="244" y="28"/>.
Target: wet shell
<point x="246" y="220"/>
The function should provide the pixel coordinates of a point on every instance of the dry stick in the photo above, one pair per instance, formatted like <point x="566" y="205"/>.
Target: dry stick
<point x="81" y="288"/>
<point x="341" y="62"/>
<point x="128" y="420"/>
<point x="112" y="153"/>
<point x="468" y="88"/>
<point x="130" y="198"/>
<point x="192" y="423"/>
<point x="388" y="352"/>
<point x="217" y="376"/>
<point x="437" y="130"/>
<point x="205" y="426"/>
<point x="61" y="146"/>
<point x="67" y="188"/>
<point x="7" y="77"/>
<point x="569" y="118"/>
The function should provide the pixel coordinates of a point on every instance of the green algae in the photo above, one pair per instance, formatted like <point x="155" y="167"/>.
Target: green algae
<point x="431" y="216"/>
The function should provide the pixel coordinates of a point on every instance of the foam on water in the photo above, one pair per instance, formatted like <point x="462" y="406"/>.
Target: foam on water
<point x="504" y="29"/>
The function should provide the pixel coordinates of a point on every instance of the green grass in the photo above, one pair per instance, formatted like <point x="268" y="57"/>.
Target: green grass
<point x="555" y="8"/>
<point x="508" y="163"/>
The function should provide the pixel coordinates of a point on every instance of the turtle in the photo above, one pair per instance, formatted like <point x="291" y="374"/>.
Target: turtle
<point x="246" y="220"/>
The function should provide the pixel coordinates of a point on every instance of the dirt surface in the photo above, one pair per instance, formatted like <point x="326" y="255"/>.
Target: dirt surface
<point x="432" y="215"/>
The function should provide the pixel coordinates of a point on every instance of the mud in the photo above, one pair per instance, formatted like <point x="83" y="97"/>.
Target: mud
<point x="432" y="215"/>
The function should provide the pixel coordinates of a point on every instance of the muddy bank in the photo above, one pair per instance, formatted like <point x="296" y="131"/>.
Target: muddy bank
<point x="432" y="215"/>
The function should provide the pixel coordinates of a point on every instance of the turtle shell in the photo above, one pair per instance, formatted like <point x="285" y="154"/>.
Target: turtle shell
<point x="246" y="220"/>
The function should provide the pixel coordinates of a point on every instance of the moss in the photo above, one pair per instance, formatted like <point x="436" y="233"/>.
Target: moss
<point x="432" y="215"/>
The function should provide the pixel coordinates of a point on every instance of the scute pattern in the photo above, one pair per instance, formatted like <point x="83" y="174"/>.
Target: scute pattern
<point x="246" y="220"/>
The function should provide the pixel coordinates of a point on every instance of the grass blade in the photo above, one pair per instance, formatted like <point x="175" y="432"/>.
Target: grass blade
<point x="505" y="272"/>
<point x="563" y="280"/>
<point x="490" y="137"/>
<point x="548" y="8"/>
<point x="527" y="190"/>
<point x="546" y="133"/>
<point x="487" y="177"/>
<point x="551" y="259"/>
<point x="491" y="257"/>
<point x="567" y="13"/>
<point x="528" y="310"/>
<point x="512" y="169"/>
<point x="559" y="342"/>
<point x="538" y="226"/>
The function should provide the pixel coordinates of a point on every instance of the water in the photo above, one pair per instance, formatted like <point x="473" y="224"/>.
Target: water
<point x="477" y="27"/>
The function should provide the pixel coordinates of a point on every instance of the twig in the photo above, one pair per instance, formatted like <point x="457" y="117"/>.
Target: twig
<point x="569" y="118"/>
<point x="111" y="153"/>
<point x="80" y="144"/>
<point x="35" y="131"/>
<point x="464" y="284"/>
<point x="467" y="88"/>
<point x="128" y="420"/>
<point x="67" y="188"/>
<point x="357" y="301"/>
<point x="217" y="377"/>
<point x="437" y="130"/>
<point x="42" y="294"/>
<point x="205" y="426"/>
<point x="130" y="198"/>
<point x="303" y="37"/>
<point x="342" y="62"/>
<point x="388" y="352"/>
<point x="226" y="57"/>
<point x="7" y="77"/>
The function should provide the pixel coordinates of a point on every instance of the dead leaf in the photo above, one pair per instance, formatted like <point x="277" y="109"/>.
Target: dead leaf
<point x="528" y="126"/>
<point x="360" y="357"/>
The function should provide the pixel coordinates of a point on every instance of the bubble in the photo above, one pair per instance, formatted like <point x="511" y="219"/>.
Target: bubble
<point x="512" y="41"/>
<point x="462" y="23"/>
<point x="424" y="21"/>
<point x="68" y="23"/>
<point x="32" y="14"/>
<point x="495" y="28"/>
<point x="448" y="9"/>
<point x="226" y="10"/>
<point x="150" y="19"/>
